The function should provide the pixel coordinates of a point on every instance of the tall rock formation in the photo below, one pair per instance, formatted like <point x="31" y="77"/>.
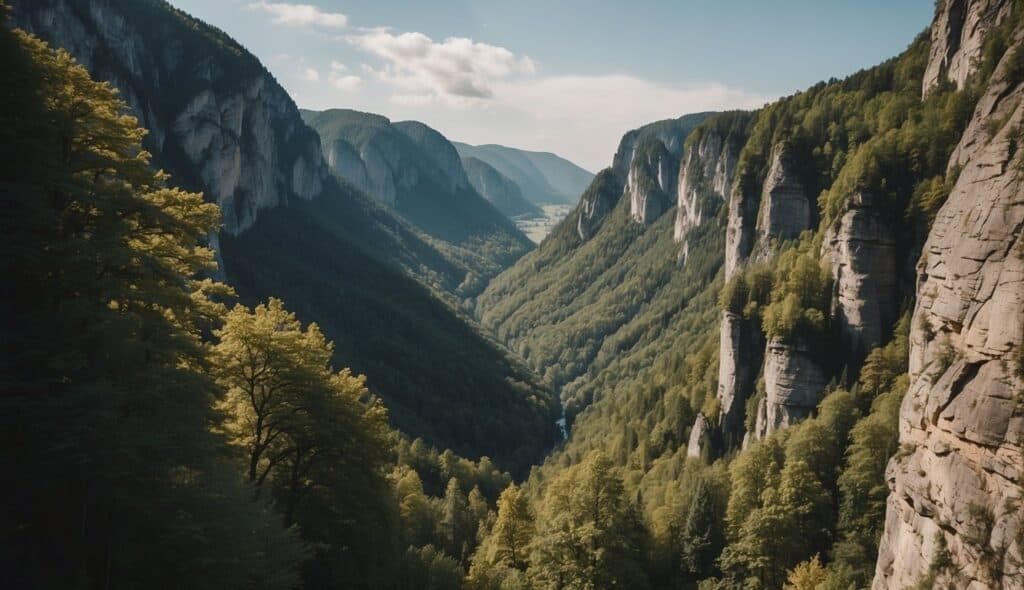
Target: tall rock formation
<point x="862" y="248"/>
<point x="651" y="182"/>
<point x="958" y="38"/>
<point x="794" y="384"/>
<point x="596" y="203"/>
<point x="954" y="512"/>
<point x="230" y="131"/>
<point x="786" y="208"/>
<point x="499" y="189"/>
<point x="707" y="172"/>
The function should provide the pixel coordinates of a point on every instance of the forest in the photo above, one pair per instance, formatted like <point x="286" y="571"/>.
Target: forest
<point x="163" y="430"/>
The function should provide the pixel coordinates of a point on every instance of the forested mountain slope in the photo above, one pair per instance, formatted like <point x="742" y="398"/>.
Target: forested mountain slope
<point x="499" y="189"/>
<point x="820" y="243"/>
<point x="414" y="170"/>
<point x="220" y="123"/>
<point x="543" y="177"/>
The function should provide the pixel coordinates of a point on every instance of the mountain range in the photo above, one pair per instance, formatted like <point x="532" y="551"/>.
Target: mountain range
<point x="770" y="348"/>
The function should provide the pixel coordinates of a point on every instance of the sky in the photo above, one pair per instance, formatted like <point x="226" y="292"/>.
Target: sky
<point x="566" y="76"/>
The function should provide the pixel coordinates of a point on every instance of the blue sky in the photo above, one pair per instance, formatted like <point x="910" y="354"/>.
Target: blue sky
<point x="568" y="76"/>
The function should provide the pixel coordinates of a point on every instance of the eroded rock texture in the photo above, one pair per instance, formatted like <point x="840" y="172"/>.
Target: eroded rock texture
<point x="786" y="208"/>
<point x="651" y="182"/>
<point x="238" y="129"/>
<point x="794" y="384"/>
<point x="707" y="172"/>
<point x="958" y="38"/>
<point x="956" y="482"/>
<point x="862" y="249"/>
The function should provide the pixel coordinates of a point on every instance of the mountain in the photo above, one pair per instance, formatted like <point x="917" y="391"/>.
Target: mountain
<point x="498" y="189"/>
<point x="416" y="171"/>
<point x="220" y="123"/>
<point x="807" y="317"/>
<point x="543" y="177"/>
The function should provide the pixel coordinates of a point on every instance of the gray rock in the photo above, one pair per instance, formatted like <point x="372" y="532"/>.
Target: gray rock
<point x="794" y="384"/>
<point x="651" y="183"/>
<point x="786" y="208"/>
<point x="960" y="423"/>
<point x="239" y="131"/>
<point x="707" y="170"/>
<point x="862" y="248"/>
<point x="958" y="37"/>
<point x="739" y="360"/>
<point x="700" y="445"/>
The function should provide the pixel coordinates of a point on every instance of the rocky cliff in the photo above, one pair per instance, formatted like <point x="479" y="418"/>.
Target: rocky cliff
<point x="414" y="170"/>
<point x="651" y="182"/>
<point x="958" y="37"/>
<point x="862" y="249"/>
<point x="953" y="513"/>
<point x="230" y="131"/>
<point x="499" y="189"/>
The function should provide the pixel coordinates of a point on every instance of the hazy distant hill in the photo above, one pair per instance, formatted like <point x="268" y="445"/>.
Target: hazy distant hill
<point x="543" y="177"/>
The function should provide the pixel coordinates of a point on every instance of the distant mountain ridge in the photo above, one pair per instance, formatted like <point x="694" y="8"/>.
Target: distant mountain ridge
<point x="410" y="167"/>
<point x="499" y="189"/>
<point x="544" y="178"/>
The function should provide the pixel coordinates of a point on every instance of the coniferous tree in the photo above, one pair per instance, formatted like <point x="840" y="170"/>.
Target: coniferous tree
<point x="122" y="479"/>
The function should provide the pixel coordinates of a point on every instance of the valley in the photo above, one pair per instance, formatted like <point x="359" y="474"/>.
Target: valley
<point x="254" y="345"/>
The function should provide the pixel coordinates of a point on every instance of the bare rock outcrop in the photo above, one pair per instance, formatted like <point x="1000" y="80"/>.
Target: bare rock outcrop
<point x="597" y="202"/>
<point x="233" y="132"/>
<point x="651" y="182"/>
<point x="700" y="445"/>
<point x="955" y="486"/>
<point x="958" y="38"/>
<point x="786" y="208"/>
<point x="794" y="384"/>
<point x="707" y="172"/>
<point x="862" y="248"/>
<point x="757" y="221"/>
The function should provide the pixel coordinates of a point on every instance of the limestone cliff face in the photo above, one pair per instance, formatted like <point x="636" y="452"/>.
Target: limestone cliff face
<point x="757" y="222"/>
<point x="741" y="348"/>
<point x="707" y="169"/>
<point x="955" y="486"/>
<point x="597" y="202"/>
<point x="234" y="131"/>
<point x="862" y="248"/>
<point x="651" y="182"/>
<point x="793" y="383"/>
<point x="958" y="36"/>
<point x="786" y="208"/>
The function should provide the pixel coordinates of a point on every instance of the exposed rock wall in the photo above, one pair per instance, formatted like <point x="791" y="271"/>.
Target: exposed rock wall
<point x="651" y="182"/>
<point x="958" y="37"/>
<point x="707" y="171"/>
<point x="739" y="231"/>
<point x="794" y="384"/>
<point x="237" y="130"/>
<point x="786" y="208"/>
<point x="862" y="248"/>
<point x="597" y="202"/>
<point x="741" y="348"/>
<point x="956" y="482"/>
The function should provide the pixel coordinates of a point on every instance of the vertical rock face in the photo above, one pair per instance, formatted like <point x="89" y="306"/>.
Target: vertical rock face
<point x="235" y="133"/>
<point x="739" y="231"/>
<point x="700" y="443"/>
<point x="707" y="170"/>
<point x="343" y="158"/>
<point x="958" y="36"/>
<point x="497" y="188"/>
<point x="651" y="181"/>
<point x="955" y="487"/>
<point x="780" y="212"/>
<point x="862" y="248"/>
<point x="597" y="202"/>
<point x="786" y="209"/>
<point x="793" y="383"/>
<point x="739" y="359"/>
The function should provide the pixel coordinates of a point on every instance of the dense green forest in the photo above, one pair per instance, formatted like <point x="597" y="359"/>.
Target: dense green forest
<point x="172" y="437"/>
<point x="168" y="430"/>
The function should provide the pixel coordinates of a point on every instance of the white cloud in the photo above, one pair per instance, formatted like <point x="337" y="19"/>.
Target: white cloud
<point x="347" y="83"/>
<point x="337" y="66"/>
<point x="310" y="75"/>
<point x="456" y="68"/>
<point x="283" y="13"/>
